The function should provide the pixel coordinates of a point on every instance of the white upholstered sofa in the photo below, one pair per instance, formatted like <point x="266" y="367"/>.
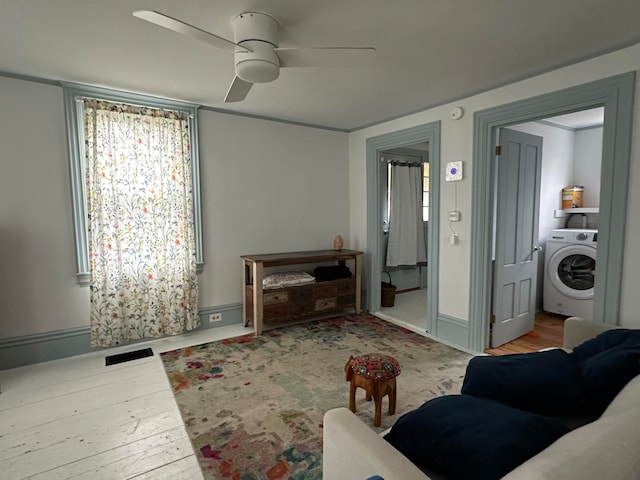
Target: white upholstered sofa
<point x="608" y="448"/>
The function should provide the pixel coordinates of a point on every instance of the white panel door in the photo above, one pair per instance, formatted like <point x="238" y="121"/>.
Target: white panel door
<point x="516" y="242"/>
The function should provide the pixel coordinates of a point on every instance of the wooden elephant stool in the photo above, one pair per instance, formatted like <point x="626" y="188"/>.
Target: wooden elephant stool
<point x="376" y="373"/>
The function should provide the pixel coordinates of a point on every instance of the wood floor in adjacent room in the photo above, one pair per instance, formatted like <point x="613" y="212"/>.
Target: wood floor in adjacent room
<point x="548" y="332"/>
<point x="77" y="418"/>
<point x="410" y="311"/>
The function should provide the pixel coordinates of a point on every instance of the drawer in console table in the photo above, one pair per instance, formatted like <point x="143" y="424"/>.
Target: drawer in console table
<point x="296" y="302"/>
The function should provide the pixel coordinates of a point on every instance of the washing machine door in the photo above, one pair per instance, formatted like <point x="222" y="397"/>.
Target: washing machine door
<point x="571" y="270"/>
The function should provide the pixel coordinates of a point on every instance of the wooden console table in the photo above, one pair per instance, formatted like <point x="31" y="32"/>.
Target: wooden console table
<point x="292" y="303"/>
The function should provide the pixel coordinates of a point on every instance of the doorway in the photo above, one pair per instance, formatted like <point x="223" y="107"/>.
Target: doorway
<point x="429" y="135"/>
<point x="404" y="189"/>
<point x="615" y="95"/>
<point x="571" y="154"/>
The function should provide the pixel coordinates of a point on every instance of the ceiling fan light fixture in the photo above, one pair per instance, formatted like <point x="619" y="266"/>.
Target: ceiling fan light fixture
<point x="255" y="26"/>
<point x="257" y="71"/>
<point x="260" y="65"/>
<point x="257" y="57"/>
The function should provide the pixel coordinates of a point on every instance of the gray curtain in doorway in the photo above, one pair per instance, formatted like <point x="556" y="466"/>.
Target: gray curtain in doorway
<point x="406" y="244"/>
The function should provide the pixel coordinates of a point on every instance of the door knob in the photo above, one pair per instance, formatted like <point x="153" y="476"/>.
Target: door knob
<point x="536" y="248"/>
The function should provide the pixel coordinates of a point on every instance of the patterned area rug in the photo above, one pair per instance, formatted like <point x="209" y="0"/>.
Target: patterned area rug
<point x="253" y="406"/>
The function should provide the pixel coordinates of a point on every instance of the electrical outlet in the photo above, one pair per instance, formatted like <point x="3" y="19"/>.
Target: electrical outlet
<point x="454" y="215"/>
<point x="215" y="317"/>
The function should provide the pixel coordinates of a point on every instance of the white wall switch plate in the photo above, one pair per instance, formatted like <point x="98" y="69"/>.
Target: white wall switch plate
<point x="454" y="215"/>
<point x="453" y="172"/>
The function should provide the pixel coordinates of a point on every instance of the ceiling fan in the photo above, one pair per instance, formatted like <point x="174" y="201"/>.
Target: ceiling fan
<point x="257" y="56"/>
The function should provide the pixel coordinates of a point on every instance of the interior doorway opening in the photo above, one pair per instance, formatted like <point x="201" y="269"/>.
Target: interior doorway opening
<point x="615" y="94"/>
<point x="421" y="141"/>
<point x="571" y="155"/>
<point x="404" y="193"/>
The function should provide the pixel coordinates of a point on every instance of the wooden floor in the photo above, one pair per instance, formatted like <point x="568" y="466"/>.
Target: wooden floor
<point x="76" y="418"/>
<point x="548" y="332"/>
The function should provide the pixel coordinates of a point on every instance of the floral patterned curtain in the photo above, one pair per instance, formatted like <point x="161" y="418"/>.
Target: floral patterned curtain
<point x="141" y="231"/>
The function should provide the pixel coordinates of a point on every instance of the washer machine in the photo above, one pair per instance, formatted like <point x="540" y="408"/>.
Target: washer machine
<point x="570" y="268"/>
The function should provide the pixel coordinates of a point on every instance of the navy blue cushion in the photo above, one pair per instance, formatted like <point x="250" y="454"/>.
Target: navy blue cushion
<point x="618" y="337"/>
<point x="466" y="437"/>
<point x="607" y="372"/>
<point x="548" y="382"/>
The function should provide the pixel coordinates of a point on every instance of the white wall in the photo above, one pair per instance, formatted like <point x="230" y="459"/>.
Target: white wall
<point x="38" y="289"/>
<point x="588" y="164"/>
<point x="457" y="144"/>
<point x="266" y="186"/>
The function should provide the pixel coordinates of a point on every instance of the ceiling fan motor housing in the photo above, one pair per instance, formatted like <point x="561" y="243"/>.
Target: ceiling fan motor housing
<point x="259" y="32"/>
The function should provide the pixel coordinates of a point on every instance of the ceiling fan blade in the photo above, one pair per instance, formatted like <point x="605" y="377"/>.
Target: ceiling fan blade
<point x="238" y="90"/>
<point x="178" y="26"/>
<point x="326" y="57"/>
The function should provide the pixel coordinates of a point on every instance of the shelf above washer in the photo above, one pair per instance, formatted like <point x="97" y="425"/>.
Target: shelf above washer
<point x="572" y="211"/>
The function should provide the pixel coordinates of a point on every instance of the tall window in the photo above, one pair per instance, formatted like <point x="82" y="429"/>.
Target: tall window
<point x="425" y="192"/>
<point x="138" y="202"/>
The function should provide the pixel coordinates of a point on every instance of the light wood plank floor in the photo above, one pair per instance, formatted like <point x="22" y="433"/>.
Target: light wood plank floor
<point x="76" y="418"/>
<point x="548" y="332"/>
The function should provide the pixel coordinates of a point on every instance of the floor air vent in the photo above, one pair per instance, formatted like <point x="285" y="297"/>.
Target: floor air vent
<point x="128" y="356"/>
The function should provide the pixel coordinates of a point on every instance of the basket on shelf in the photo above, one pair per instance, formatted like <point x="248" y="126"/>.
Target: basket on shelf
<point x="388" y="297"/>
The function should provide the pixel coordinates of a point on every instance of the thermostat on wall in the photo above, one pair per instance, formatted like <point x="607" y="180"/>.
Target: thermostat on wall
<point x="454" y="172"/>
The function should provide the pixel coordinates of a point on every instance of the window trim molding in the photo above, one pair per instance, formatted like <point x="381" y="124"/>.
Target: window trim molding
<point x="77" y="162"/>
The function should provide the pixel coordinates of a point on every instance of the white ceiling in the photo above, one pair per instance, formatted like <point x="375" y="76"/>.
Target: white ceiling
<point x="429" y="52"/>
<point x="577" y="120"/>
